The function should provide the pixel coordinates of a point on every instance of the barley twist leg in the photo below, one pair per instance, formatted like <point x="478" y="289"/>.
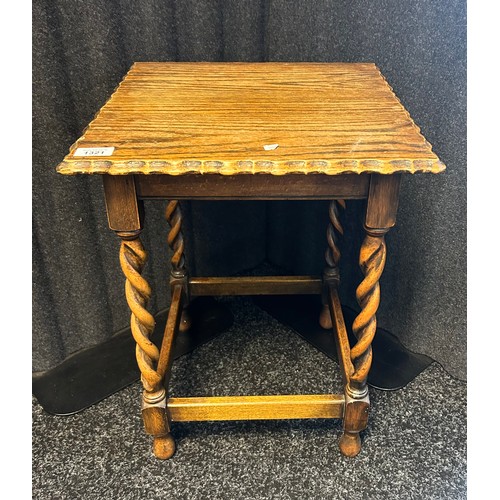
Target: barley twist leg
<point x="137" y="292"/>
<point x="332" y="256"/>
<point x="372" y="261"/>
<point x="175" y="241"/>
<point x="175" y="238"/>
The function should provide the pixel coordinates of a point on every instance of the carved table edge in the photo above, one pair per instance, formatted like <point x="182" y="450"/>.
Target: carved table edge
<point x="277" y="168"/>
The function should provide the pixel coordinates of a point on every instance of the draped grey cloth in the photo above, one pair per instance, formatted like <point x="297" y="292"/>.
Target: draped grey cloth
<point x="81" y="50"/>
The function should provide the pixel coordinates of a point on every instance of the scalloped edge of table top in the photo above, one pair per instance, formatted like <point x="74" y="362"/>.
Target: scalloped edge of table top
<point x="162" y="167"/>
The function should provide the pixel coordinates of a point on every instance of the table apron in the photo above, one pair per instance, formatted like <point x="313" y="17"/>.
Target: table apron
<point x="253" y="187"/>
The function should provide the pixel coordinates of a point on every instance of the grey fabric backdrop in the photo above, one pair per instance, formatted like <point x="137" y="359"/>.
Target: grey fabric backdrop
<point x="82" y="48"/>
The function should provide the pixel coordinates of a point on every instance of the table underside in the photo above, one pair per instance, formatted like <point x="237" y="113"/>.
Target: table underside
<point x="124" y="196"/>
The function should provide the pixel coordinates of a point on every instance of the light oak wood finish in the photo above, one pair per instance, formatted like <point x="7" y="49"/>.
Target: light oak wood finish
<point x="138" y="292"/>
<point x="142" y="322"/>
<point x="334" y="229"/>
<point x="331" y="274"/>
<point x="125" y="218"/>
<point x="355" y="420"/>
<point x="253" y="187"/>
<point x="380" y="217"/>
<point x="372" y="262"/>
<point x="122" y="205"/>
<point x="178" y="270"/>
<point x="382" y="204"/>
<point x="175" y="238"/>
<point x="157" y="423"/>
<point x="180" y="118"/>
<point x="341" y="339"/>
<point x="198" y="131"/>
<point x="256" y="407"/>
<point x="171" y="327"/>
<point x="256" y="285"/>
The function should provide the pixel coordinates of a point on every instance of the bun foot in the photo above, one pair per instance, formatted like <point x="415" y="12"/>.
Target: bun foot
<point x="325" y="318"/>
<point x="164" y="447"/>
<point x="350" y="444"/>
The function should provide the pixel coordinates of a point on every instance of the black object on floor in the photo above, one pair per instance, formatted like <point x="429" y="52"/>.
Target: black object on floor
<point x="393" y="366"/>
<point x="90" y="375"/>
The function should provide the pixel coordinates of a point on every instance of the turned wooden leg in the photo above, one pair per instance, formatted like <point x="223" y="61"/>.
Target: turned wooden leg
<point x="138" y="292"/>
<point x="124" y="211"/>
<point x="156" y="423"/>
<point x="380" y="217"/>
<point x="372" y="261"/>
<point x="331" y="274"/>
<point x="178" y="262"/>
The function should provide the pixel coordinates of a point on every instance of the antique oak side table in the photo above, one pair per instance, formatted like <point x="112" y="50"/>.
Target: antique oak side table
<point x="260" y="131"/>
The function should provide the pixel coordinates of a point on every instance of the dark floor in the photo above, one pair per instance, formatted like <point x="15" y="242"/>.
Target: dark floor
<point x="414" y="447"/>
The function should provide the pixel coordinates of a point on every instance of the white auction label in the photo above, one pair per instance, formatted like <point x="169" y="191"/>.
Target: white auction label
<point x="94" y="151"/>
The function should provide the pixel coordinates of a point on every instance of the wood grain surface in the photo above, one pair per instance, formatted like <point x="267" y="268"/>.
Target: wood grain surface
<point x="182" y="118"/>
<point x="255" y="285"/>
<point x="256" y="407"/>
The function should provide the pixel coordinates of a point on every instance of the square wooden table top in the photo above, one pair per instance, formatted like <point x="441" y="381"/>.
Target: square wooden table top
<point x="232" y="118"/>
